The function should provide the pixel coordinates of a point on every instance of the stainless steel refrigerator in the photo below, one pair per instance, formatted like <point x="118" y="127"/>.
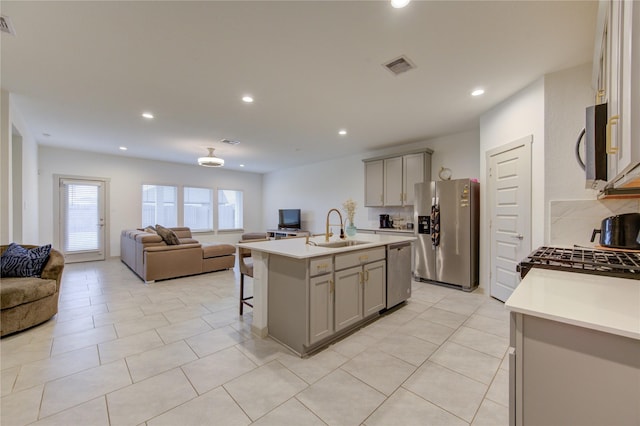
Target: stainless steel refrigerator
<point x="447" y="215"/>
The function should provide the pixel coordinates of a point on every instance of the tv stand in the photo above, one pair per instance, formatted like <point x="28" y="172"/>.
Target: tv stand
<point x="276" y="234"/>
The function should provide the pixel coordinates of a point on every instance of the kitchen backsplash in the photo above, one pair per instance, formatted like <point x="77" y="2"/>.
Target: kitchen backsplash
<point x="573" y="221"/>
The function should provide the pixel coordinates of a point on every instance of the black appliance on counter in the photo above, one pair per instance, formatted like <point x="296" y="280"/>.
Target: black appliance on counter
<point x="613" y="263"/>
<point x="620" y="231"/>
<point x="385" y="221"/>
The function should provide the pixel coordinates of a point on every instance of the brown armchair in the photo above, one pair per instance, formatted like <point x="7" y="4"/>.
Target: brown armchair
<point x="29" y="301"/>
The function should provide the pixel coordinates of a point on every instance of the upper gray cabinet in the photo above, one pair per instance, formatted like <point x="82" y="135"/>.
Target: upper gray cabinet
<point x="389" y="181"/>
<point x="616" y="79"/>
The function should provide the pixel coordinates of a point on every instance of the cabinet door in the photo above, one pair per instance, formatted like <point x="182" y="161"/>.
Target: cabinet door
<point x="393" y="194"/>
<point x="348" y="297"/>
<point x="373" y="183"/>
<point x="413" y="173"/>
<point x="320" y="307"/>
<point x="375" y="294"/>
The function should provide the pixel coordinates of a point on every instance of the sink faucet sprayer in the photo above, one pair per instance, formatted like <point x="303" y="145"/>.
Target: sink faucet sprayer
<point x="326" y="235"/>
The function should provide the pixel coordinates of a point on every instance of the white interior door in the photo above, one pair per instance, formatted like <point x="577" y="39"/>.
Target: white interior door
<point x="82" y="220"/>
<point x="510" y="214"/>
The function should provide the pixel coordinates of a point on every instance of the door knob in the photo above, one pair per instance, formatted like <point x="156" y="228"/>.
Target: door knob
<point x="519" y="236"/>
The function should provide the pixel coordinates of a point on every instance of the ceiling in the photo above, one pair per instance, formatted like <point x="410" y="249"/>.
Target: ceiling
<point x="81" y="73"/>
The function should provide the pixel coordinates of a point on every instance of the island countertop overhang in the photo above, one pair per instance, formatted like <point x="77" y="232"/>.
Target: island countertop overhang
<point x="298" y="248"/>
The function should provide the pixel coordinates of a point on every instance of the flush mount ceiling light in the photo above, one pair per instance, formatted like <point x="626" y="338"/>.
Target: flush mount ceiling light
<point x="147" y="115"/>
<point x="342" y="132"/>
<point x="398" y="4"/>
<point x="248" y="99"/>
<point x="211" y="160"/>
<point x="477" y="92"/>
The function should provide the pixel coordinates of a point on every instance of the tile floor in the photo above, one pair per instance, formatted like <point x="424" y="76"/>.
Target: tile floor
<point x="176" y="352"/>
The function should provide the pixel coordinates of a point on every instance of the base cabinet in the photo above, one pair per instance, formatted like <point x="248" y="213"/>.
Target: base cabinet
<point x="311" y="301"/>
<point x="561" y="374"/>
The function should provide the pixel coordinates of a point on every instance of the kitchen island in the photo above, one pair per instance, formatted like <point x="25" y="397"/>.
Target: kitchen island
<point x="574" y="356"/>
<point x="308" y="293"/>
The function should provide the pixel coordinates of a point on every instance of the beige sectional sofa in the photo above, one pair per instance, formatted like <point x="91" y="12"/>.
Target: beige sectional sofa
<point x="146" y="254"/>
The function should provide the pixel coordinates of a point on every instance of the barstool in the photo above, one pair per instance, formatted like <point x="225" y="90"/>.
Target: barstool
<point x="245" y="262"/>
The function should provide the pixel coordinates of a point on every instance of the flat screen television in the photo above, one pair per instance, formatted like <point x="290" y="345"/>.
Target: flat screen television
<point x="289" y="219"/>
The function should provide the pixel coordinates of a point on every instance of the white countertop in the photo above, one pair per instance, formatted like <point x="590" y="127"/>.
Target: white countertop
<point x="297" y="247"/>
<point x="403" y="231"/>
<point x="597" y="302"/>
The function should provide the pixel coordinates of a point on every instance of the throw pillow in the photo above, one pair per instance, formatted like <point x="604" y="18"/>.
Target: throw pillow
<point x="168" y="235"/>
<point x="150" y="229"/>
<point x="18" y="261"/>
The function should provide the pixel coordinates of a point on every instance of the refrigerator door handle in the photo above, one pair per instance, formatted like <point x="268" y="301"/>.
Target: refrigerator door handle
<point x="435" y="225"/>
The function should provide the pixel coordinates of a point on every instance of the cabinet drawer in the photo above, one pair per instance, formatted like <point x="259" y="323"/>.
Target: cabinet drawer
<point x="320" y="266"/>
<point x="360" y="257"/>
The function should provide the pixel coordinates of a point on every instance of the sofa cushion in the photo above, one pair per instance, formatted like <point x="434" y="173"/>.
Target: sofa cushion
<point x="210" y="250"/>
<point x="150" y="229"/>
<point x="17" y="291"/>
<point x="18" y="261"/>
<point x="168" y="235"/>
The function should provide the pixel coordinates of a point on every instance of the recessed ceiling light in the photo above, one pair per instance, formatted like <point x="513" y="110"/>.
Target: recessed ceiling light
<point x="147" y="115"/>
<point x="123" y="148"/>
<point x="342" y="132"/>
<point x="398" y="4"/>
<point x="248" y="99"/>
<point x="241" y="165"/>
<point x="477" y="92"/>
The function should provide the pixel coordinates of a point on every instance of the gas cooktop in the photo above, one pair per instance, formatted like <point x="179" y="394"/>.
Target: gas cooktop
<point x="614" y="263"/>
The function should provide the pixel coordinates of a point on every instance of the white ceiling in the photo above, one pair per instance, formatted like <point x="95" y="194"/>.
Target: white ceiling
<point x="84" y="71"/>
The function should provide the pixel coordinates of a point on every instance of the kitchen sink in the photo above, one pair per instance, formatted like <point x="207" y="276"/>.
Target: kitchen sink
<point x="343" y="243"/>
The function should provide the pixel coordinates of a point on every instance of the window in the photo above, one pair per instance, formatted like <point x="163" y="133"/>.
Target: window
<point x="198" y="209"/>
<point x="159" y="205"/>
<point x="229" y="209"/>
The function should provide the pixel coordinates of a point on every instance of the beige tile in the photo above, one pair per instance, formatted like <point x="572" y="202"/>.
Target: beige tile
<point x="8" y="378"/>
<point x="314" y="367"/>
<point x="406" y="408"/>
<point x="484" y="342"/>
<point x="215" y="340"/>
<point x="147" y="399"/>
<point x="264" y="388"/>
<point x="447" y="389"/>
<point x="491" y="414"/>
<point x="85" y="311"/>
<point x="148" y="322"/>
<point x="162" y="306"/>
<point x="183" y="330"/>
<point x="222" y="318"/>
<point x="262" y="351"/>
<point x="471" y="363"/>
<point x="158" y="360"/>
<point x="430" y="293"/>
<point x="80" y="302"/>
<point x="48" y="369"/>
<point x="499" y="389"/>
<point x="407" y="348"/>
<point x="341" y="399"/>
<point x="117" y="316"/>
<point x="494" y="309"/>
<point x="188" y="312"/>
<point x="20" y="408"/>
<point x="53" y="328"/>
<point x="291" y="412"/>
<point x="379" y="370"/>
<point x="427" y="330"/>
<point x="442" y="317"/>
<point x="81" y="387"/>
<point x="130" y="345"/>
<point x="82" y="339"/>
<point x="379" y="330"/>
<point x="214" y="407"/>
<point x="354" y="344"/>
<point x="490" y="325"/>
<point x="93" y="413"/>
<point x="456" y="305"/>
<point x="216" y="369"/>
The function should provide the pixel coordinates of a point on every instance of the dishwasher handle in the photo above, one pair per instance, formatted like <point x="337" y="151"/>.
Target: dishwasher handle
<point x="399" y="246"/>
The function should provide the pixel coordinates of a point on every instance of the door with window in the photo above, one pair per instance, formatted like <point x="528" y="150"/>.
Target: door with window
<point x="82" y="219"/>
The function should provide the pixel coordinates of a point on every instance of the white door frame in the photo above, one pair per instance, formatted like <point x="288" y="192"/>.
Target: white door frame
<point x="525" y="142"/>
<point x="57" y="217"/>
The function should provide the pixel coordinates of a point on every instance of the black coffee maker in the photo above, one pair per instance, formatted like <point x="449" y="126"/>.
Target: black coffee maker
<point x="385" y="221"/>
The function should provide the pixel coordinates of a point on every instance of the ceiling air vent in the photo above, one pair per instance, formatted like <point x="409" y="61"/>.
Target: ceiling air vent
<point x="6" y="26"/>
<point x="230" y="142"/>
<point x="399" y="65"/>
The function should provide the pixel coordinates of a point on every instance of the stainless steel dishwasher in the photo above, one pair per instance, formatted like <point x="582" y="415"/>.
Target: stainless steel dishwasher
<point x="398" y="273"/>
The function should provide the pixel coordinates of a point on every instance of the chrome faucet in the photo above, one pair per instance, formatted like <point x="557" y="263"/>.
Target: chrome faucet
<point x="326" y="235"/>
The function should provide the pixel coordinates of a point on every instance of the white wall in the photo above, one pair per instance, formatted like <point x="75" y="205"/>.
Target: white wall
<point x="126" y="176"/>
<point x="11" y="119"/>
<point x="318" y="187"/>
<point x="520" y="115"/>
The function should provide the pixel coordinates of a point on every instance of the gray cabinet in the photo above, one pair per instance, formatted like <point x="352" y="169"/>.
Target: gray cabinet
<point x="390" y="181"/>
<point x="320" y="307"/>
<point x="374" y="288"/>
<point x="348" y="300"/>
<point x="562" y="374"/>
